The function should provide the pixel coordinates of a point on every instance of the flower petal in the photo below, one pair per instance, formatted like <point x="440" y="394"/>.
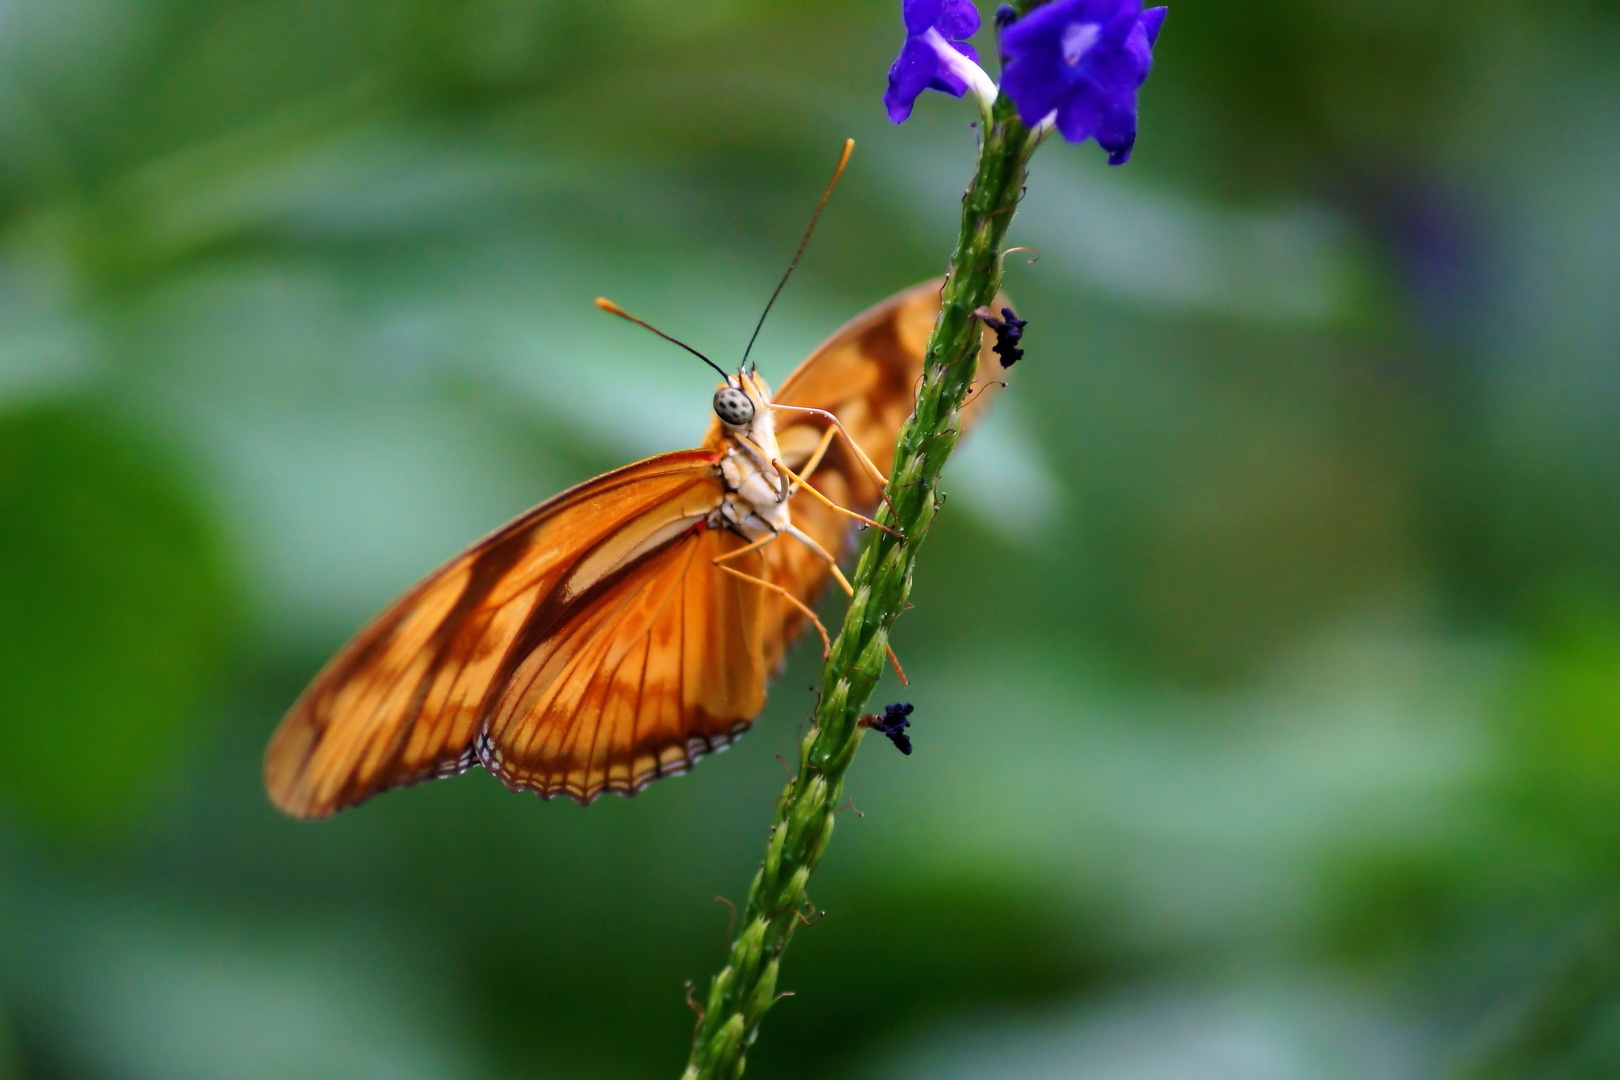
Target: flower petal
<point x="1080" y="116"/>
<point x="1121" y="66"/>
<point x="933" y="56"/>
<point x="957" y="20"/>
<point x="1116" y="132"/>
<point x="1035" y="83"/>
<point x="959" y="70"/>
<point x="1152" y="20"/>
<point x="1085" y="59"/>
<point x="920" y="68"/>
<point x="912" y="72"/>
<point x="1044" y="22"/>
<point x="920" y="16"/>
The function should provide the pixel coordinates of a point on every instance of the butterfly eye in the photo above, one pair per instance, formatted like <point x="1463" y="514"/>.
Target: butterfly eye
<point x="733" y="406"/>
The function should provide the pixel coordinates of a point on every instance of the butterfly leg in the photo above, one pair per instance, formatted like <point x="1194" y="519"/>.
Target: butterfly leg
<point x="866" y="462"/>
<point x="860" y="455"/>
<point x="819" y="497"/>
<point x="745" y="549"/>
<point x="814" y="462"/>
<point x="823" y="554"/>
<point x="826" y="642"/>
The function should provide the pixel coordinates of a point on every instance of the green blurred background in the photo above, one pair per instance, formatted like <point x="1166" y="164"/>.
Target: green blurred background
<point x="1266" y="662"/>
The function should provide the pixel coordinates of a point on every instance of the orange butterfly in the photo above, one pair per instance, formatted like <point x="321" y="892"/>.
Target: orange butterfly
<point x="620" y="631"/>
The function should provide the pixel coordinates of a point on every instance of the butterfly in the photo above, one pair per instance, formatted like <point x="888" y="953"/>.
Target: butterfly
<point x="622" y="630"/>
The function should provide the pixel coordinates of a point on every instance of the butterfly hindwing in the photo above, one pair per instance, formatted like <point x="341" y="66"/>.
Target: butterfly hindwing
<point x="660" y="665"/>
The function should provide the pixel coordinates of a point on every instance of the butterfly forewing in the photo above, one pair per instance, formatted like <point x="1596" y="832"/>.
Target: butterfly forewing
<point x="406" y="700"/>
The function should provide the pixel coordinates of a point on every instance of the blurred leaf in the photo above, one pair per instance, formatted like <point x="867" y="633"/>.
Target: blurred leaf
<point x="117" y="986"/>
<point x="1389" y="906"/>
<point x="115" y="618"/>
<point x="1567" y="1025"/>
<point x="1564" y="732"/>
<point x="1237" y="487"/>
<point x="927" y="946"/>
<point x="1263" y="1028"/>
<point x="1186" y="819"/>
<point x="1295" y="89"/>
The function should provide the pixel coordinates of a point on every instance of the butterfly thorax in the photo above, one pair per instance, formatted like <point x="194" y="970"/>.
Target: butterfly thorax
<point x="756" y="502"/>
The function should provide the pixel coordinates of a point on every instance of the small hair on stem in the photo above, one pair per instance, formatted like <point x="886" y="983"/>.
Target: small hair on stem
<point x="614" y="309"/>
<point x="1010" y="250"/>
<point x="695" y="1007"/>
<point x="731" y="922"/>
<point x="981" y="387"/>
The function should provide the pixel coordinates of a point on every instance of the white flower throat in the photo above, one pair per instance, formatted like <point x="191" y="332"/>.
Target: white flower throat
<point x="1078" y="38"/>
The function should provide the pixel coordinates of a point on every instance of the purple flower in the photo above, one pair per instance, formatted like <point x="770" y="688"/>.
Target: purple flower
<point x="936" y="55"/>
<point x="1080" y="62"/>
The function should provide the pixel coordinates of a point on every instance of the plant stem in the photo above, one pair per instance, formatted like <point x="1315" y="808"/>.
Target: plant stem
<point x="741" y="993"/>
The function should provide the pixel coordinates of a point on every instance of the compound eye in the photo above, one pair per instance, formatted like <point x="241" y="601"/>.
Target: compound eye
<point x="733" y="406"/>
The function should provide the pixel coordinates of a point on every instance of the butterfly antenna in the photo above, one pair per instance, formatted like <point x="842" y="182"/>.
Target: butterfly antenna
<point x="614" y="309"/>
<point x="843" y="159"/>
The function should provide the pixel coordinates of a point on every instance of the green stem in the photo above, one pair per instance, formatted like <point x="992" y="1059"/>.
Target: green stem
<point x="741" y="993"/>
